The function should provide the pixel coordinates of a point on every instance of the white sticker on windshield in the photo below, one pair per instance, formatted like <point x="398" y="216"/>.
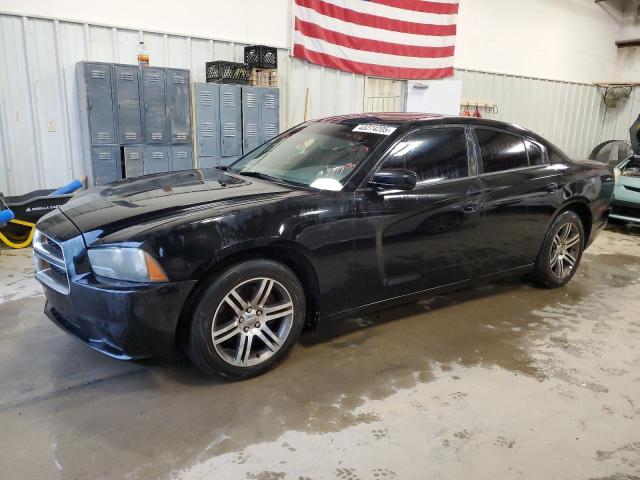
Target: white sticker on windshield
<point x="375" y="128"/>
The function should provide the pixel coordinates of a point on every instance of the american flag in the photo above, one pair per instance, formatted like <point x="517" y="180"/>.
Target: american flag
<point x="413" y="39"/>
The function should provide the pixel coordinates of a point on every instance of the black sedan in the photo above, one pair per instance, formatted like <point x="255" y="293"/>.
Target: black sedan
<point x="332" y="218"/>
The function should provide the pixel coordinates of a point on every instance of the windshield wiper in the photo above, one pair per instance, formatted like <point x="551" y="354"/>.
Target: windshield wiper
<point x="262" y="176"/>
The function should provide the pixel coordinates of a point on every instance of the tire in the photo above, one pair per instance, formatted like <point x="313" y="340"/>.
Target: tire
<point x="561" y="251"/>
<point x="255" y="310"/>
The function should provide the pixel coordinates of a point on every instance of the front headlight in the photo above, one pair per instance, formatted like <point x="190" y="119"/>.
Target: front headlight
<point x="129" y="264"/>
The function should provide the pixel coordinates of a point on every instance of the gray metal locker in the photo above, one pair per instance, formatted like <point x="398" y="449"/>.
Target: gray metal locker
<point x="178" y="105"/>
<point x="133" y="161"/>
<point x="105" y="164"/>
<point x="128" y="104"/>
<point x="270" y="113"/>
<point x="251" y="125"/>
<point x="99" y="98"/>
<point x="208" y="162"/>
<point x="156" y="125"/>
<point x="156" y="159"/>
<point x="181" y="157"/>
<point x="230" y="123"/>
<point x="207" y="101"/>
<point x="226" y="161"/>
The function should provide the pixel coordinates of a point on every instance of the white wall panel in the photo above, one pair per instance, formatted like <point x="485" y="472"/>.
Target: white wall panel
<point x="252" y="21"/>
<point x="37" y="87"/>
<point x="569" y="40"/>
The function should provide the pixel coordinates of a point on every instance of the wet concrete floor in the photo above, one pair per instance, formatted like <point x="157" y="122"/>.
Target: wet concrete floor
<point x="502" y="381"/>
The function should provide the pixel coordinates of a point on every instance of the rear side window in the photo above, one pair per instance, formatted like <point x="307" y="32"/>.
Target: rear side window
<point x="535" y="154"/>
<point x="501" y="151"/>
<point x="434" y="154"/>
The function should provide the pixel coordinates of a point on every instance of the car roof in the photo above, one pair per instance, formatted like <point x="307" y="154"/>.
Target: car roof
<point x="409" y="119"/>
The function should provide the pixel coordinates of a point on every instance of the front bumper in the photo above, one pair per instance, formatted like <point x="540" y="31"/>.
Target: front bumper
<point x="124" y="322"/>
<point x="122" y="319"/>
<point x="626" y="211"/>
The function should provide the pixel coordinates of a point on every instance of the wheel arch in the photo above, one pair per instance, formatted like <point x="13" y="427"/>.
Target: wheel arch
<point x="287" y="254"/>
<point x="580" y="206"/>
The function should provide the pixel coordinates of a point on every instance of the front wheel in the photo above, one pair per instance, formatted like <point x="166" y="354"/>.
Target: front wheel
<point x="247" y="320"/>
<point x="561" y="251"/>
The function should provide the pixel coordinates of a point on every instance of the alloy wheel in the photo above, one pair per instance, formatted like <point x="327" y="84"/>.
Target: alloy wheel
<point x="565" y="250"/>
<point x="252" y="322"/>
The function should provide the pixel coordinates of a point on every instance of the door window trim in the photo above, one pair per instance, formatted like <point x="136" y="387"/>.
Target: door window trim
<point x="480" y="159"/>
<point x="472" y="163"/>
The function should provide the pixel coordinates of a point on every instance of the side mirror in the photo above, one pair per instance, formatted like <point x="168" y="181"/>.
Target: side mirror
<point x="394" y="180"/>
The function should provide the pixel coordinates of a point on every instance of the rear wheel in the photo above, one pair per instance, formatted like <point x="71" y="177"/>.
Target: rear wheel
<point x="247" y="320"/>
<point x="561" y="251"/>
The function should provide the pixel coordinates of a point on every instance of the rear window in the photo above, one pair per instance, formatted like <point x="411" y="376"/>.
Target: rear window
<point x="501" y="151"/>
<point x="536" y="156"/>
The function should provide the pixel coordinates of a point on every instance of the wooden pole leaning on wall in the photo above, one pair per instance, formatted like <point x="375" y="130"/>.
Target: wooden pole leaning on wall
<point x="306" y="103"/>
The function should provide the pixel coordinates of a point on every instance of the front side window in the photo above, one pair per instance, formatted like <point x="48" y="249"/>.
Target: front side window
<point x="501" y="151"/>
<point x="435" y="155"/>
<point x="317" y="154"/>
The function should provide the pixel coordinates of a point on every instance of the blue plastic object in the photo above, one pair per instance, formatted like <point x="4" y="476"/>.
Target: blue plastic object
<point x="6" y="216"/>
<point x="68" y="188"/>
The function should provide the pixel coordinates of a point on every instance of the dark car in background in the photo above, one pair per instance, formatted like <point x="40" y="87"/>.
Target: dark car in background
<point x="332" y="218"/>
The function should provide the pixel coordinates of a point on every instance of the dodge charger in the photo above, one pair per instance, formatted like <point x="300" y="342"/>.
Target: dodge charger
<point x="332" y="218"/>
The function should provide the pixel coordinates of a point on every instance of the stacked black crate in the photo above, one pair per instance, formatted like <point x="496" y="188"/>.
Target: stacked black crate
<point x="260" y="101"/>
<point x="234" y="115"/>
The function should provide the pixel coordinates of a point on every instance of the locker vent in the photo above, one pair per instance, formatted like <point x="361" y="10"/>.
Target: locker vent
<point x="104" y="156"/>
<point x="156" y="136"/>
<point x="182" y="154"/>
<point x="181" y="136"/>
<point x="157" y="155"/>
<point x="130" y="135"/>
<point x="103" y="136"/>
<point x="251" y="130"/>
<point x="178" y="79"/>
<point x="97" y="73"/>
<point x="153" y="77"/>
<point x="229" y="99"/>
<point x="207" y="129"/>
<point x="126" y="76"/>
<point x="229" y="130"/>
<point x="270" y="101"/>
<point x="134" y="156"/>
<point x="251" y="100"/>
<point x="206" y="98"/>
<point x="270" y="130"/>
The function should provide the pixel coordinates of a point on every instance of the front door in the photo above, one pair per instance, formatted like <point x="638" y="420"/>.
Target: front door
<point x="415" y="240"/>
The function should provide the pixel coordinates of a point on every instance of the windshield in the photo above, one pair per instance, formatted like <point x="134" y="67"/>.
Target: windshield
<point x="319" y="155"/>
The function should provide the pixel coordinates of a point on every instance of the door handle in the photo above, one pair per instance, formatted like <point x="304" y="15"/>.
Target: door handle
<point x="470" y="207"/>
<point x="552" y="187"/>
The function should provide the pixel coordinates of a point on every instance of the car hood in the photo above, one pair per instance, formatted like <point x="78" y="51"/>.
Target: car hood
<point x="150" y="198"/>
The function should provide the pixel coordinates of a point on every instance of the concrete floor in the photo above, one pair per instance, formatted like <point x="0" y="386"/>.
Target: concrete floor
<point x="504" y="381"/>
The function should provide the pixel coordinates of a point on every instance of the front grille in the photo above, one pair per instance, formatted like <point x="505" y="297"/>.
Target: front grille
<point x="55" y="247"/>
<point x="61" y="272"/>
<point x="49" y="260"/>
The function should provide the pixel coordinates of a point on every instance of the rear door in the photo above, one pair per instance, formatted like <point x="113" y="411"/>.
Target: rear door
<point x="521" y="193"/>
<point x="414" y="240"/>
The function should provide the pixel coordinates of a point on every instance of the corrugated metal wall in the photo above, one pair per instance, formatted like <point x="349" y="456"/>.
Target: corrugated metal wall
<point x="571" y="115"/>
<point x="39" y="125"/>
